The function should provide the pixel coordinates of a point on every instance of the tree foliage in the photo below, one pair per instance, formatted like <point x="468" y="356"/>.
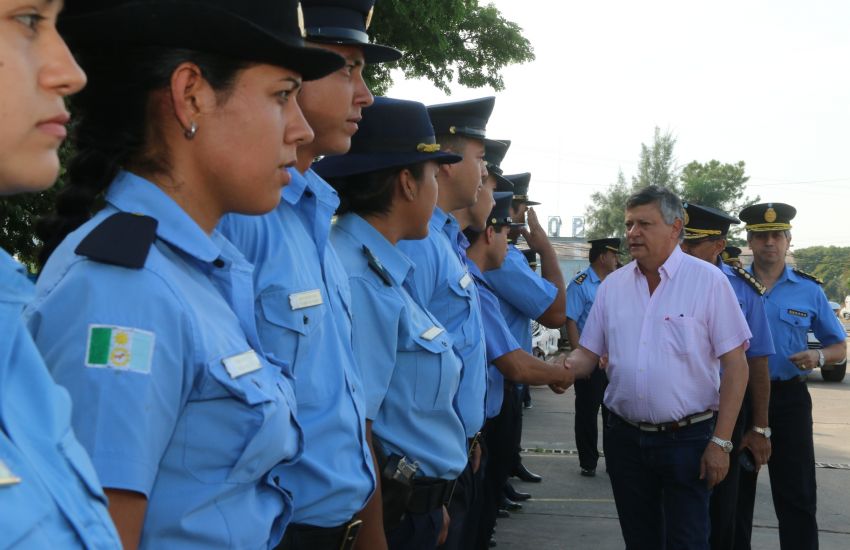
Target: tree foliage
<point x="829" y="263"/>
<point x="445" y="41"/>
<point x="712" y="183"/>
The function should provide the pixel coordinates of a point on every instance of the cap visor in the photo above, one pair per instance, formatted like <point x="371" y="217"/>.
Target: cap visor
<point x="363" y="163"/>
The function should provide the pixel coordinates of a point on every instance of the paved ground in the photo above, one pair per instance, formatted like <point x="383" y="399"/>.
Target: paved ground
<point x="573" y="512"/>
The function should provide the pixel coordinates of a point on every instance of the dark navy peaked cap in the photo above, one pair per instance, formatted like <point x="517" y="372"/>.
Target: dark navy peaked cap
<point x="393" y="133"/>
<point x="501" y="213"/>
<point x="463" y="118"/>
<point x="345" y="22"/>
<point x="768" y="216"/>
<point x="731" y="254"/>
<point x="521" y="183"/>
<point x="612" y="244"/>
<point x="494" y="154"/>
<point x="705" y="222"/>
<point x="264" y="31"/>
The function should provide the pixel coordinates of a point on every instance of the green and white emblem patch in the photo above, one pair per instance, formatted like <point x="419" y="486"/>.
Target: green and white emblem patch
<point x="120" y="348"/>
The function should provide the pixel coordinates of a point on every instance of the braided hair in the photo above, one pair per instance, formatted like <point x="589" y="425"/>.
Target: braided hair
<point x="115" y="127"/>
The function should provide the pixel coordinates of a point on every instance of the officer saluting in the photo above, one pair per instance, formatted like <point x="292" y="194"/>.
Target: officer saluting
<point x="705" y="237"/>
<point x="581" y="293"/>
<point x="794" y="303"/>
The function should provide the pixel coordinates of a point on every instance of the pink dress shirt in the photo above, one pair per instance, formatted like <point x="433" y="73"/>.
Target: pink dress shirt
<point x="663" y="350"/>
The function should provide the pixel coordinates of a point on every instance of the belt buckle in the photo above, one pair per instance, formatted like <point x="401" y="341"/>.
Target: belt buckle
<point x="350" y="535"/>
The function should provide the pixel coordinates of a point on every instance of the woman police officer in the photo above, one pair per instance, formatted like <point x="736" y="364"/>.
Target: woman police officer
<point x="49" y="493"/>
<point x="144" y="312"/>
<point x="388" y="189"/>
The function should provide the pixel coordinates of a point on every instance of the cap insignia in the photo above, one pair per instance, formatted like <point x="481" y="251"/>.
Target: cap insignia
<point x="428" y="147"/>
<point x="452" y="129"/>
<point x="301" y="26"/>
<point x="687" y="218"/>
<point x="770" y="215"/>
<point x="369" y="17"/>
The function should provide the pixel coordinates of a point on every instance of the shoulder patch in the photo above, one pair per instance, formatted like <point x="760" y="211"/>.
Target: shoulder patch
<point x="122" y="239"/>
<point x="750" y="279"/>
<point x="580" y="279"/>
<point x="376" y="266"/>
<point x="808" y="276"/>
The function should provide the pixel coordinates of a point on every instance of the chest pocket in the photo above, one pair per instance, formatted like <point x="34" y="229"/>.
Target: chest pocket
<point x="437" y="372"/>
<point x="680" y="334"/>
<point x="462" y="308"/>
<point x="797" y="325"/>
<point x="237" y="429"/>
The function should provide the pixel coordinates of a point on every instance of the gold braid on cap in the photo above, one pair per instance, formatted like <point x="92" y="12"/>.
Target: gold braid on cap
<point x="768" y="227"/>
<point x="428" y="147"/>
<point x="691" y="233"/>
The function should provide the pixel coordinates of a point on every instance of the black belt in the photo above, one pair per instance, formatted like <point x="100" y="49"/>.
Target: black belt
<point x="670" y="426"/>
<point x="789" y="381"/>
<point x="430" y="494"/>
<point x="301" y="535"/>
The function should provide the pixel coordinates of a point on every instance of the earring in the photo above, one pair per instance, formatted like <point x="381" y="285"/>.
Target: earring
<point x="191" y="131"/>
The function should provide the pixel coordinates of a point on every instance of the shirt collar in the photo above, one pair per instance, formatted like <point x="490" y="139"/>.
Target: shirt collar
<point x="439" y="219"/>
<point x="671" y="265"/>
<point x="131" y="193"/>
<point x="14" y="284"/>
<point x="323" y="190"/>
<point x="394" y="261"/>
<point x="293" y="192"/>
<point x="594" y="278"/>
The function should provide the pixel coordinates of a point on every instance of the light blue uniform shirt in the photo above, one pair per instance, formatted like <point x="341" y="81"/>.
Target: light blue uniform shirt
<point x="752" y="304"/>
<point x="410" y="371"/>
<point x="443" y="283"/>
<point x="173" y="397"/>
<point x="523" y="294"/>
<point x="499" y="340"/>
<point x="304" y="318"/>
<point x="50" y="496"/>
<point x="581" y="292"/>
<point x="794" y="305"/>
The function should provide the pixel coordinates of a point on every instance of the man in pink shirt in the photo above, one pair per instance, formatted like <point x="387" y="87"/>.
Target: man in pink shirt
<point x="670" y="325"/>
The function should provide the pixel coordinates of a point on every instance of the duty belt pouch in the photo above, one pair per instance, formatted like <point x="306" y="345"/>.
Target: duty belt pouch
<point x="396" y="488"/>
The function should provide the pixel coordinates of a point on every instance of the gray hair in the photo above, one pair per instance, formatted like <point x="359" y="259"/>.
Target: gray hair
<point x="667" y="201"/>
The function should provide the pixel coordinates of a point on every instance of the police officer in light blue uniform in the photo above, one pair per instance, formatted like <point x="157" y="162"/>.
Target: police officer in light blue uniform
<point x="581" y="294"/>
<point x="303" y="298"/>
<point x="49" y="492"/>
<point x="795" y="304"/>
<point x="705" y="238"/>
<point x="145" y="313"/>
<point x="50" y="496"/>
<point x="409" y="367"/>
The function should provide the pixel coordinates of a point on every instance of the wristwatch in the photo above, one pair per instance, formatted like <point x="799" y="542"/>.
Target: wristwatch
<point x="724" y="444"/>
<point x="763" y="431"/>
<point x="821" y="358"/>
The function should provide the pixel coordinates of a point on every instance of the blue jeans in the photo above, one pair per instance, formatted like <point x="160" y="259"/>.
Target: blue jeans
<point x="662" y="503"/>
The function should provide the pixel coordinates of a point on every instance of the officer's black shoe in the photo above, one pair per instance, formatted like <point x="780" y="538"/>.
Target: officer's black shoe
<point x="522" y="473"/>
<point x="514" y="495"/>
<point x="502" y="514"/>
<point x="588" y="472"/>
<point x="509" y="505"/>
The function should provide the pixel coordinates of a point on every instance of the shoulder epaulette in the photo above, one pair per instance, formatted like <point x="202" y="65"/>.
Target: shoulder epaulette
<point x="122" y="239"/>
<point x="376" y="266"/>
<point x="808" y="276"/>
<point x="580" y="279"/>
<point x="750" y="279"/>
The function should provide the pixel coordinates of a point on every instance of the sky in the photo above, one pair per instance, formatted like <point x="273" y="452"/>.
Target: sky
<point x="766" y="82"/>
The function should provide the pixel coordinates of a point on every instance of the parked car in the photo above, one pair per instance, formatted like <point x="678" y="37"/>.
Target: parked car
<point x="544" y="341"/>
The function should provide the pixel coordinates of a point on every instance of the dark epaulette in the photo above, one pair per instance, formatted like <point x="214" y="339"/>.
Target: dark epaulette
<point x="808" y="276"/>
<point x="750" y="279"/>
<point x="376" y="266"/>
<point x="122" y="239"/>
<point x="580" y="279"/>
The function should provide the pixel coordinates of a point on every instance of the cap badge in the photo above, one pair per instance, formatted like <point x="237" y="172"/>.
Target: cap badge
<point x="369" y="17"/>
<point x="770" y="215"/>
<point x="301" y="25"/>
<point x="428" y="147"/>
<point x="452" y="129"/>
<point x="687" y="218"/>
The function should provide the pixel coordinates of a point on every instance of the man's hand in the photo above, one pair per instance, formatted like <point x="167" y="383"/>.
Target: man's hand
<point x="714" y="465"/>
<point x="759" y="445"/>
<point x="805" y="360"/>
<point x="535" y="235"/>
<point x="567" y="378"/>
<point x="444" y="530"/>
<point x="603" y="362"/>
<point x="475" y="459"/>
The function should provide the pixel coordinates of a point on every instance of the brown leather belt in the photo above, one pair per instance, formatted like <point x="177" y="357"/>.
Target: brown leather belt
<point x="670" y="426"/>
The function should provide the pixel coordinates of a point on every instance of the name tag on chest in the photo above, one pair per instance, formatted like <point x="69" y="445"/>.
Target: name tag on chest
<point x="309" y="298"/>
<point x="432" y="333"/>
<point x="465" y="281"/>
<point x="238" y="365"/>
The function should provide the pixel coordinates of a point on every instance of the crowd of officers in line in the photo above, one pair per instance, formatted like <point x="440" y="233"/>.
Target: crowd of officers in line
<point x="232" y="344"/>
